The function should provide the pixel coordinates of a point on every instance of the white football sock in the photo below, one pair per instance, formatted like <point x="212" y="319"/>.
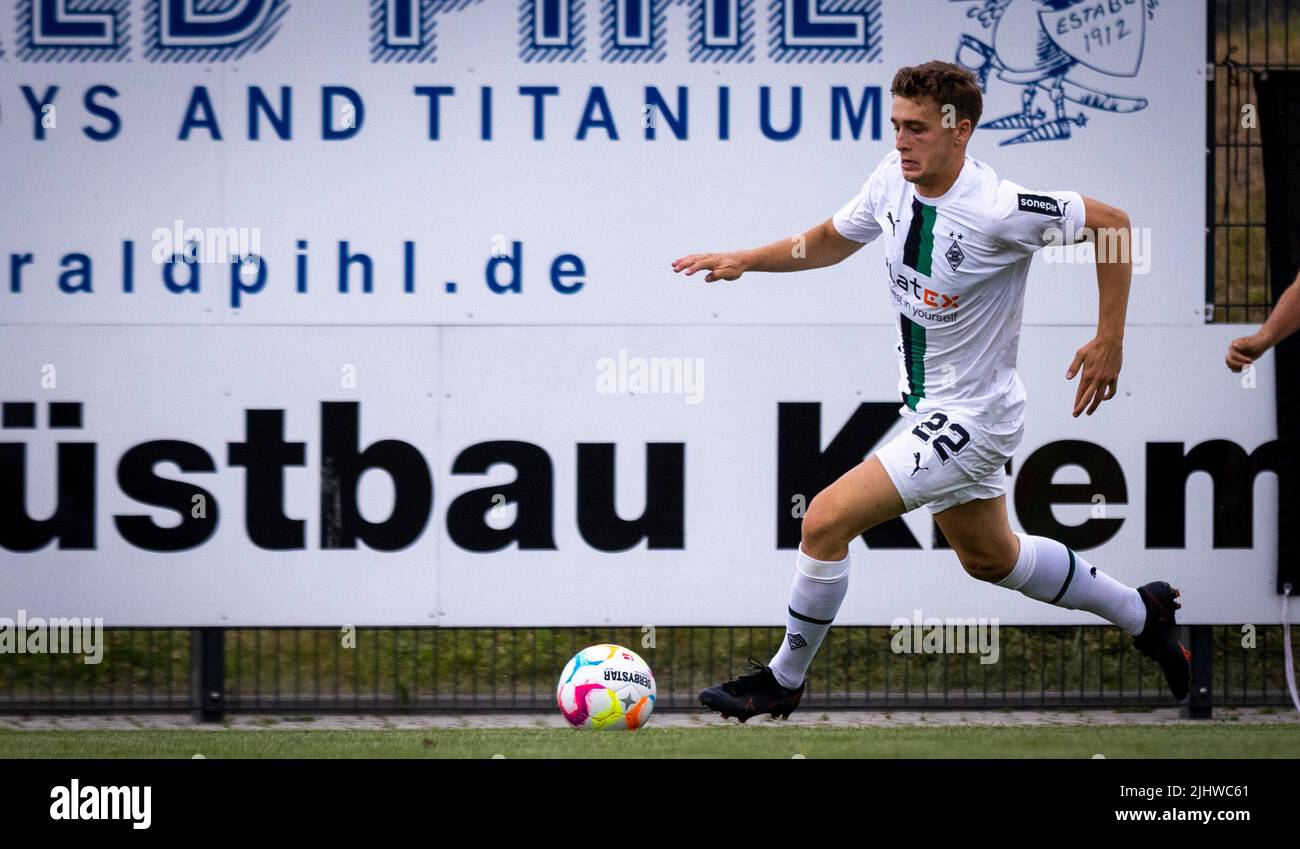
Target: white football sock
<point x="819" y="587"/>
<point x="1049" y="571"/>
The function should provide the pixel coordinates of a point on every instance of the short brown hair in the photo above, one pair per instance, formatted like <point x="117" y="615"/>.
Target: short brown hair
<point x="942" y="82"/>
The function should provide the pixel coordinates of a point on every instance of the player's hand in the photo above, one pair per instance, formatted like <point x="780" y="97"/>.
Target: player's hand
<point x="721" y="266"/>
<point x="1245" y="350"/>
<point x="1100" y="361"/>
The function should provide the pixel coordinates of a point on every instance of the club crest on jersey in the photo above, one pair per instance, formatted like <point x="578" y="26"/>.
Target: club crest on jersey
<point x="955" y="255"/>
<point x="1041" y="204"/>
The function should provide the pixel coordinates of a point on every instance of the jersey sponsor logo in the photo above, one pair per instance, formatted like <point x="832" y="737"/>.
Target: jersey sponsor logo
<point x="1041" y="204"/>
<point x="921" y="301"/>
<point x="916" y="311"/>
<point x="927" y="296"/>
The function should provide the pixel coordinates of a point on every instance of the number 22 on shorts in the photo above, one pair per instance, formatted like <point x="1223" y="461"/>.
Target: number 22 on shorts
<point x="943" y="444"/>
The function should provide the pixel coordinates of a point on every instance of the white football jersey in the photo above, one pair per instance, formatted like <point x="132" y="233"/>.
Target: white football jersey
<point x="957" y="266"/>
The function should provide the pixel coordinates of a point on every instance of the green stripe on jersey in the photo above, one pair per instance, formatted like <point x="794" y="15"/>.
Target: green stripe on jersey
<point x="927" y="243"/>
<point x="919" y="243"/>
<point x="913" y="360"/>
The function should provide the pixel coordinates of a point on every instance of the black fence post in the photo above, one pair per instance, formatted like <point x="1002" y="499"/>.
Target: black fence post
<point x="208" y="674"/>
<point x="1211" y="105"/>
<point x="1200" y="700"/>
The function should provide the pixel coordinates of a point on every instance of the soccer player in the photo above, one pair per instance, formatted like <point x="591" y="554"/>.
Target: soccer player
<point x="958" y="244"/>
<point x="1284" y="320"/>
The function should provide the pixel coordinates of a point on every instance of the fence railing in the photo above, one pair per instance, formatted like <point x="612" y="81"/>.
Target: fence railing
<point x="1247" y="37"/>
<point x="504" y="669"/>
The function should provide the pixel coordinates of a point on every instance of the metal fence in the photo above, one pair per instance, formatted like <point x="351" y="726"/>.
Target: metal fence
<point x="311" y="671"/>
<point x="1247" y="38"/>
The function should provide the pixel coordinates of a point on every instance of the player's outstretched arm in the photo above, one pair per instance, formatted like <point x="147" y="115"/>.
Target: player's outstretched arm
<point x="1284" y="321"/>
<point x="1100" y="360"/>
<point x="817" y="248"/>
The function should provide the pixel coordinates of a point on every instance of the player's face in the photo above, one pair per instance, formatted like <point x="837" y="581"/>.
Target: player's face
<point x="928" y="148"/>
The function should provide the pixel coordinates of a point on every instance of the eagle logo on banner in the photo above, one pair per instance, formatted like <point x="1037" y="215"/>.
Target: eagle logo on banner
<point x="1036" y="43"/>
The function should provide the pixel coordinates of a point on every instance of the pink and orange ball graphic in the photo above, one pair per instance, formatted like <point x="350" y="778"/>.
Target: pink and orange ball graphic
<point x="607" y="688"/>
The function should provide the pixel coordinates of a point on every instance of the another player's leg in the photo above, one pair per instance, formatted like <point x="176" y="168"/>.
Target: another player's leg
<point x="1049" y="571"/>
<point x="862" y="498"/>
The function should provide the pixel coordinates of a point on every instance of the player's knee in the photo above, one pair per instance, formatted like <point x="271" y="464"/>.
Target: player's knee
<point x="823" y="530"/>
<point x="991" y="566"/>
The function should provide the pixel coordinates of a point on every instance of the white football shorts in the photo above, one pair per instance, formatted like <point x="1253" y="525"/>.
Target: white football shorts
<point x="941" y="460"/>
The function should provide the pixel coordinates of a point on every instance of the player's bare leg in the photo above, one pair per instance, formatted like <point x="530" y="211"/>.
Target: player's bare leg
<point x="861" y="498"/>
<point x="980" y="535"/>
<point x="1044" y="569"/>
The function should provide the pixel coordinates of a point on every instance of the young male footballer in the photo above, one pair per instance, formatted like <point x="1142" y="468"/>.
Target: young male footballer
<point x="958" y="244"/>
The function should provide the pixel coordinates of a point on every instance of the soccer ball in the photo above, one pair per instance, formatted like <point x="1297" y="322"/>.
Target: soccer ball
<point x="606" y="687"/>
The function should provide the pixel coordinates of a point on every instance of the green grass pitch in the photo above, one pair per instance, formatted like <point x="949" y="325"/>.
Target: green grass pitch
<point x="1130" y="741"/>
